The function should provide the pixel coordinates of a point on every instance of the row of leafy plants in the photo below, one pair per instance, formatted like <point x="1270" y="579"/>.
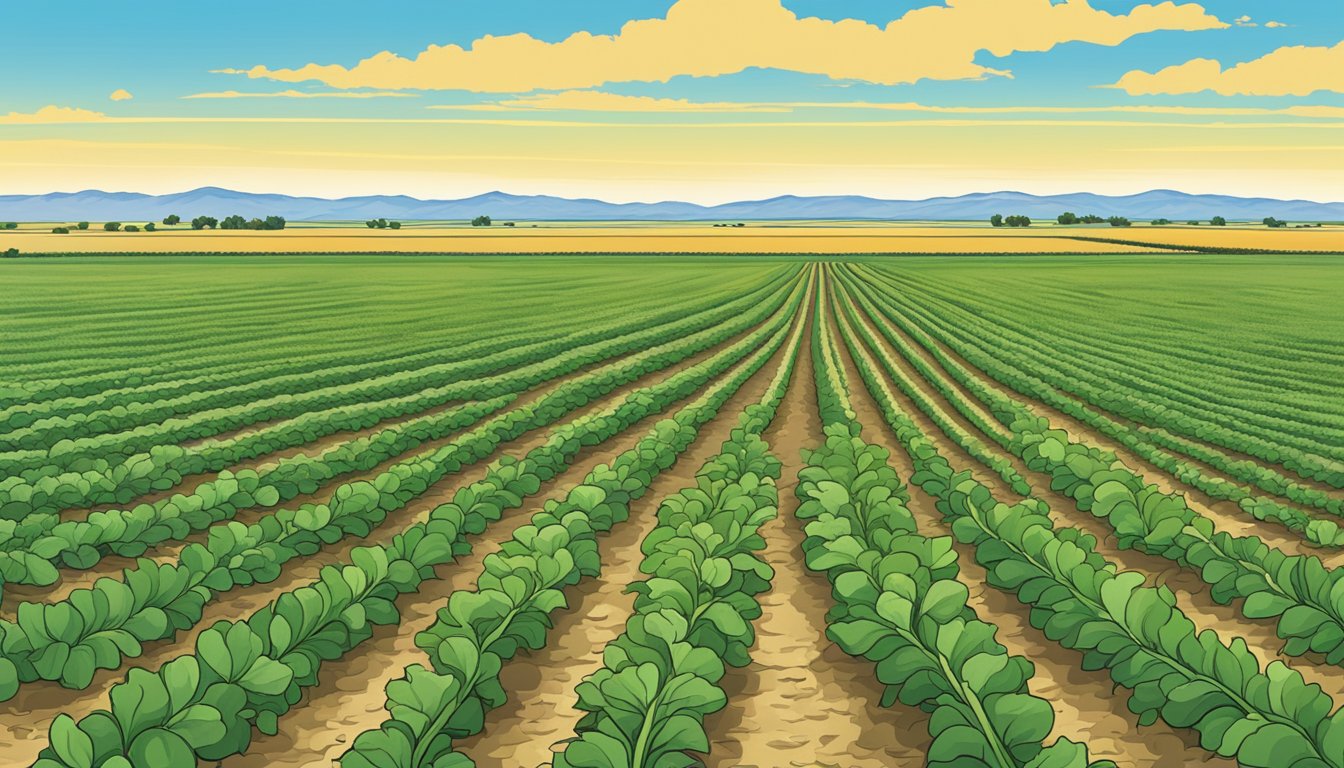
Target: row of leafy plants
<point x="164" y="464"/>
<point x="110" y="378"/>
<point x="1154" y="400"/>
<point x="973" y="445"/>
<point x="899" y="604"/>
<point x="121" y="409"/>
<point x="693" y="616"/>
<point x="1180" y="375"/>
<point x="58" y="450"/>
<point x="1300" y="592"/>
<point x="243" y="675"/>
<point x="95" y="628"/>
<point x="479" y="630"/>
<point x="1263" y="718"/>
<point x="1316" y="530"/>
<point x="129" y="532"/>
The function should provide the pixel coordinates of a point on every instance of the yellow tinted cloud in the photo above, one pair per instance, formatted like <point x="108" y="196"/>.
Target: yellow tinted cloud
<point x="53" y="114"/>
<point x="292" y="94"/>
<point x="1292" y="71"/>
<point x="717" y="37"/>
<point x="600" y="101"/>
<point x="121" y="94"/>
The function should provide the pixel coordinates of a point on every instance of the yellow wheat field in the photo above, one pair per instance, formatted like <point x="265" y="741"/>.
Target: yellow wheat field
<point x="835" y="238"/>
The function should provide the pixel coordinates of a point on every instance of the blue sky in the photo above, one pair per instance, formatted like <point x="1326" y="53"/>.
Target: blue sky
<point x="1131" y="95"/>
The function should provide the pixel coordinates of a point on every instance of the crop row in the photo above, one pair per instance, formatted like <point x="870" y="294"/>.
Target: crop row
<point x="1303" y="449"/>
<point x="899" y="604"/>
<point x="692" y="617"/>
<point x="164" y="465"/>
<point x="1299" y="448"/>
<point x="1324" y="532"/>
<point x="262" y="381"/>
<point x="244" y="674"/>
<point x="300" y="348"/>
<point x="43" y="424"/>
<point x="95" y="628"/>
<point x="479" y="630"/>
<point x="1300" y="591"/>
<point x="1190" y="679"/>
<point x="1101" y="345"/>
<point x="65" y="452"/>
<point x="130" y="532"/>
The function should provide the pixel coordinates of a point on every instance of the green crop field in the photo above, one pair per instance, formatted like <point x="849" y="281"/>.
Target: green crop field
<point x="650" y="512"/>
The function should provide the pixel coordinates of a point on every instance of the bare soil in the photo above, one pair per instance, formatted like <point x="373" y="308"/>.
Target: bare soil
<point x="40" y="702"/>
<point x="802" y="701"/>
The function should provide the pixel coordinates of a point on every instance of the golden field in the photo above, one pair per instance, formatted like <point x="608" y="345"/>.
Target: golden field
<point x="828" y="238"/>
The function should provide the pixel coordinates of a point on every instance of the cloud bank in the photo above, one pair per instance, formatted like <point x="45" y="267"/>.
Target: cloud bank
<point x="1290" y="71"/>
<point x="718" y="37"/>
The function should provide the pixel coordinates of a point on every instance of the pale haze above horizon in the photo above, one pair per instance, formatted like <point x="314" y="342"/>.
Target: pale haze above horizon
<point x="706" y="101"/>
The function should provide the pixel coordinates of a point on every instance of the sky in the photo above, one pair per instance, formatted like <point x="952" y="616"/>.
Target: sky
<point x="700" y="100"/>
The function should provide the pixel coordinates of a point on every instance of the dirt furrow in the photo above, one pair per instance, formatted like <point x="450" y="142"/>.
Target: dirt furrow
<point x="38" y="703"/>
<point x="351" y="698"/>
<point x="1087" y="707"/>
<point x="1192" y="592"/>
<point x="802" y="701"/>
<point x="169" y="551"/>
<point x="1228" y="516"/>
<point x="541" y="709"/>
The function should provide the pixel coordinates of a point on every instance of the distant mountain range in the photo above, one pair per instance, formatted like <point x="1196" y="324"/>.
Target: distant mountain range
<point x="95" y="205"/>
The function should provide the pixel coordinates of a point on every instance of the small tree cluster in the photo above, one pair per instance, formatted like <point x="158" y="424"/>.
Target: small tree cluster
<point x="60" y="230"/>
<point x="1218" y="221"/>
<point x="481" y="221"/>
<point x="1017" y="221"/>
<point x="1161" y="222"/>
<point x="238" y="222"/>
<point x="1273" y="223"/>
<point x="1118" y="221"/>
<point x="172" y="219"/>
<point x="112" y="226"/>
<point x="10" y="225"/>
<point x="204" y="222"/>
<point x="11" y="253"/>
<point x="1069" y="217"/>
<point x="382" y="224"/>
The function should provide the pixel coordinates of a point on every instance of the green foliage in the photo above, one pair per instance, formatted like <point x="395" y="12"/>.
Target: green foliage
<point x="1118" y="221"/>
<point x="1218" y="221"/>
<point x="82" y="225"/>
<point x="1017" y="221"/>
<point x="172" y="220"/>
<point x="60" y="230"/>
<point x="112" y="226"/>
<point x="481" y="221"/>
<point x="996" y="220"/>
<point x="204" y="222"/>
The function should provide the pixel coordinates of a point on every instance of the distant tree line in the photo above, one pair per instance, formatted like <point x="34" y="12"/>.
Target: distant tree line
<point x="481" y="221"/>
<point x="999" y="220"/>
<point x="382" y="224"/>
